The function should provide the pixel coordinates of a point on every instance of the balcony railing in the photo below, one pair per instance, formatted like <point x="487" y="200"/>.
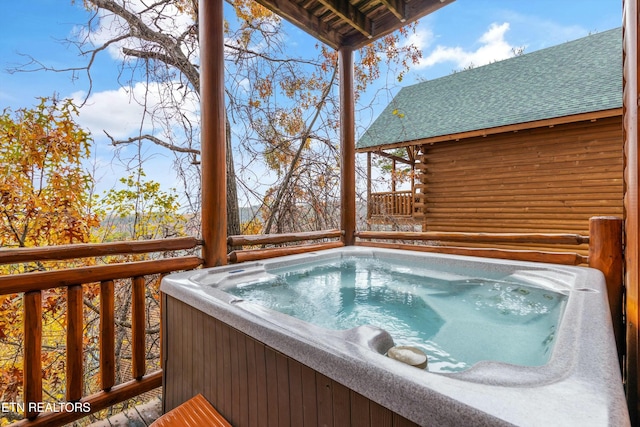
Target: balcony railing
<point x="605" y="253"/>
<point x="32" y="285"/>
<point x="392" y="204"/>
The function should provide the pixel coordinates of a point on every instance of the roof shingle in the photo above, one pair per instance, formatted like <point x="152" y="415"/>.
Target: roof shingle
<point x="580" y="76"/>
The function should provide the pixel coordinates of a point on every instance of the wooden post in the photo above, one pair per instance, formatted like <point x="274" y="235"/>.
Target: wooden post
<point x="605" y="254"/>
<point x="369" y="201"/>
<point x="213" y="143"/>
<point x="107" y="335"/>
<point x="32" y="363"/>
<point x="413" y="181"/>
<point x="631" y="123"/>
<point x="347" y="146"/>
<point x="138" y="336"/>
<point x="75" y="335"/>
<point x="394" y="197"/>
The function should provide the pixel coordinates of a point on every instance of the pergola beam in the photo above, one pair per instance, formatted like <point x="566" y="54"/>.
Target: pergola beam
<point x="351" y="15"/>
<point x="396" y="7"/>
<point x="304" y="19"/>
<point x="393" y="157"/>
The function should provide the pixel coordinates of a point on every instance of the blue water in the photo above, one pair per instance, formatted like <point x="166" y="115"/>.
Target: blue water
<point x="457" y="319"/>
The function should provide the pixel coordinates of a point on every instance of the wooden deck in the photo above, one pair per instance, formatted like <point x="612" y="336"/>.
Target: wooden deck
<point x="138" y="416"/>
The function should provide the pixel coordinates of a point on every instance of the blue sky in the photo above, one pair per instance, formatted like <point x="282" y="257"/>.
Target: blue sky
<point x="467" y="31"/>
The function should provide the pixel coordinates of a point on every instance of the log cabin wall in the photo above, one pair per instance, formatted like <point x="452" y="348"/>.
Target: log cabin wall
<point x="547" y="180"/>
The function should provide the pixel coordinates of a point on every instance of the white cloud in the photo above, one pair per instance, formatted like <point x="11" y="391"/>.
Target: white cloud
<point x="543" y="32"/>
<point x="493" y="47"/>
<point x="120" y="111"/>
<point x="422" y="38"/>
<point x="113" y="111"/>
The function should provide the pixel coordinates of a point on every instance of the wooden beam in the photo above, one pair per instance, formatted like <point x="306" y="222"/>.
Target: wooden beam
<point x="263" y="239"/>
<point x="75" y="335"/>
<point x="396" y="7"/>
<point x="369" y="201"/>
<point x="32" y="356"/>
<point x="305" y="20"/>
<point x="566" y="258"/>
<point x="85" y="250"/>
<point x="213" y="131"/>
<point x="347" y="146"/>
<point x="138" y="337"/>
<point x="388" y="23"/>
<point x="107" y="335"/>
<point x="256" y="254"/>
<point x="392" y="157"/>
<point x="606" y="254"/>
<point x="351" y="15"/>
<point x="41" y="280"/>
<point x="539" y="238"/>
<point x="631" y="124"/>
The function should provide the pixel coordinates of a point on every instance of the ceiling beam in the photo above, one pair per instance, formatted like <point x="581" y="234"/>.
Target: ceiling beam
<point x="392" y="157"/>
<point x="304" y="19"/>
<point x="351" y="15"/>
<point x="388" y="23"/>
<point x="396" y="7"/>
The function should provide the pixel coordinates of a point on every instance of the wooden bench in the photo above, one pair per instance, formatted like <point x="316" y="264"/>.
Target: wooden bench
<point x="196" y="412"/>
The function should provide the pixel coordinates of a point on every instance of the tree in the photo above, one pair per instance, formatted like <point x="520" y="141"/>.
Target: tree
<point x="47" y="200"/>
<point x="44" y="200"/>
<point x="282" y="110"/>
<point x="44" y="190"/>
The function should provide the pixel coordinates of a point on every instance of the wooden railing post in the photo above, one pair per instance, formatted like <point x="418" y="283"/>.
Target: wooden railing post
<point x="107" y="335"/>
<point x="606" y="254"/>
<point x="75" y="366"/>
<point x="32" y="376"/>
<point x="138" y="338"/>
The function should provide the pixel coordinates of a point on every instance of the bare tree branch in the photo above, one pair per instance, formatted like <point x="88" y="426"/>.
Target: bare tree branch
<point x="294" y="162"/>
<point x="153" y="139"/>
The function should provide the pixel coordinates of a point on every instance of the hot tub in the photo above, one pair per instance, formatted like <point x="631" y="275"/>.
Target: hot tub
<point x="232" y="335"/>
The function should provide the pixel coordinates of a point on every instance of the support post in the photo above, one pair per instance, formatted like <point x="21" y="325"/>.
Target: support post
<point x="32" y="362"/>
<point x="605" y="254"/>
<point x="369" y="204"/>
<point x="630" y="125"/>
<point x="347" y="146"/>
<point x="213" y="143"/>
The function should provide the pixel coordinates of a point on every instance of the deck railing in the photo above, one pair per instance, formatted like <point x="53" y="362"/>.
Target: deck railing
<point x="242" y="255"/>
<point x="605" y="253"/>
<point x="32" y="285"/>
<point x="397" y="204"/>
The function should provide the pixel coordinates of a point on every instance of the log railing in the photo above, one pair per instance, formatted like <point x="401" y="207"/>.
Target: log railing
<point x="243" y="255"/>
<point x="391" y="204"/>
<point x="72" y="279"/>
<point x="438" y="241"/>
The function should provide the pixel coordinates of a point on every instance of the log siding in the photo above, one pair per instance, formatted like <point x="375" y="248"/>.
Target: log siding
<point x="543" y="180"/>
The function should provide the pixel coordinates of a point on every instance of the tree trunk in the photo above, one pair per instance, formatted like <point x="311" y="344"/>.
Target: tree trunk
<point x="233" y="211"/>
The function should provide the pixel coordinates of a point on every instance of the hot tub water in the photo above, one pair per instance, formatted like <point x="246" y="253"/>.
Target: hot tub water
<point x="457" y="319"/>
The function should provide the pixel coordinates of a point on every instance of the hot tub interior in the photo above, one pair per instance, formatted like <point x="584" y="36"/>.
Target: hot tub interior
<point x="457" y="318"/>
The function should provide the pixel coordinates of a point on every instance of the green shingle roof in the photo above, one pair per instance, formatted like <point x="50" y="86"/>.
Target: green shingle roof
<point x="580" y="76"/>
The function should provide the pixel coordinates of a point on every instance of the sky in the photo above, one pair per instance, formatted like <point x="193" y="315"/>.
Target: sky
<point x="467" y="32"/>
